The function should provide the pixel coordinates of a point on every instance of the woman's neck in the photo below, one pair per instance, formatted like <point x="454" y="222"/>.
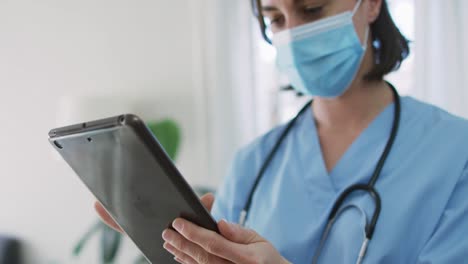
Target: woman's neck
<point x="355" y="109"/>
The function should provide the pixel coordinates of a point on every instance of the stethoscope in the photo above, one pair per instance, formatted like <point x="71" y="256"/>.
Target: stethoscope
<point x="337" y="209"/>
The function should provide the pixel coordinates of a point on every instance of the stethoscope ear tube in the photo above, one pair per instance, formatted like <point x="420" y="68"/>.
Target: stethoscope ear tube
<point x="266" y="163"/>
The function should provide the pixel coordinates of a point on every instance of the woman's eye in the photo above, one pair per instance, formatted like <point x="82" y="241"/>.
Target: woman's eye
<point x="275" y="20"/>
<point x="313" y="10"/>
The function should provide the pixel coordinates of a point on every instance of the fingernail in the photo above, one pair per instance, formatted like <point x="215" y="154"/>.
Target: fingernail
<point x="165" y="235"/>
<point x="178" y="225"/>
<point x="227" y="222"/>
<point x="228" y="225"/>
<point x="167" y="248"/>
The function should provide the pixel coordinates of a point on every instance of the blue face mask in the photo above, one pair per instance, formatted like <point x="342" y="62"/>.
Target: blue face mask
<point x="321" y="58"/>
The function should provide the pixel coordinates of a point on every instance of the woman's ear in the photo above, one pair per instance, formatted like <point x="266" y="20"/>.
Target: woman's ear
<point x="374" y="10"/>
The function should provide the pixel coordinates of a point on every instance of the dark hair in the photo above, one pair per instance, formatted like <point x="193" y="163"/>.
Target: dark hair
<point x="391" y="48"/>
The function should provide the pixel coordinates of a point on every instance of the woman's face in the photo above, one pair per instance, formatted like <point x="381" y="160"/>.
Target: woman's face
<point x="286" y="14"/>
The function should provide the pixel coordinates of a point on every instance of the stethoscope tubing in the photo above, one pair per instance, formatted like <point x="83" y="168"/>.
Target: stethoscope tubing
<point x="368" y="188"/>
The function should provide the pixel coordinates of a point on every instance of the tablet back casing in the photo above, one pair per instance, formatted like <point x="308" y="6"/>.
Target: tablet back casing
<point x="125" y="168"/>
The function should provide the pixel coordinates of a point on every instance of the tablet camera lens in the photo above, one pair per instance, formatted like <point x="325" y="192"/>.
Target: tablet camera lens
<point x="90" y="139"/>
<point x="122" y="119"/>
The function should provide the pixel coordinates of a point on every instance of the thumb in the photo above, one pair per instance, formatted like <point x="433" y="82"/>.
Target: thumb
<point x="207" y="200"/>
<point x="238" y="234"/>
<point x="106" y="218"/>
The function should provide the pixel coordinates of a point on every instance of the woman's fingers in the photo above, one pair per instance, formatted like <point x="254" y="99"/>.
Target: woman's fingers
<point x="238" y="234"/>
<point x="106" y="218"/>
<point x="188" y="251"/>
<point x="211" y="242"/>
<point x="207" y="200"/>
<point x="179" y="256"/>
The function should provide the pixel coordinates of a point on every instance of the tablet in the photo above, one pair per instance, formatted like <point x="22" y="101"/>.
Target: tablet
<point x="124" y="166"/>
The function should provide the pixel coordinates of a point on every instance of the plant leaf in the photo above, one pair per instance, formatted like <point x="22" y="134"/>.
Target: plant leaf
<point x="86" y="237"/>
<point x="168" y="134"/>
<point x="141" y="260"/>
<point x="110" y="244"/>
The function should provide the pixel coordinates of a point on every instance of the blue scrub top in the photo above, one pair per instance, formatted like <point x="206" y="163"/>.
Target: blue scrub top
<point x="423" y="186"/>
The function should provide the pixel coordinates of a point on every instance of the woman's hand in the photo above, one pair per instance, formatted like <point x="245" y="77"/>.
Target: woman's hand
<point x="192" y="244"/>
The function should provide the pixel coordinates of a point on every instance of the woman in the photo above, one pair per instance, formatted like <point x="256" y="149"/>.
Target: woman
<point x="408" y="158"/>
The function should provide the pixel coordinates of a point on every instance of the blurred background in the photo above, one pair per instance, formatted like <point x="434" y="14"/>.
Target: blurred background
<point x="199" y="63"/>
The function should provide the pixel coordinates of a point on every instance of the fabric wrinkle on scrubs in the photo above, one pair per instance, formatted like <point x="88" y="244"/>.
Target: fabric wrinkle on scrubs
<point x="423" y="187"/>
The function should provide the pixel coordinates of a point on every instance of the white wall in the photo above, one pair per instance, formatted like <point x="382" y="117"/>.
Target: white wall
<point x="149" y="49"/>
<point x="442" y="56"/>
<point x="229" y="78"/>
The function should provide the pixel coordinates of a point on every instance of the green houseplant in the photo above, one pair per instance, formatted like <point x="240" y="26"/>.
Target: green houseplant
<point x="168" y="134"/>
